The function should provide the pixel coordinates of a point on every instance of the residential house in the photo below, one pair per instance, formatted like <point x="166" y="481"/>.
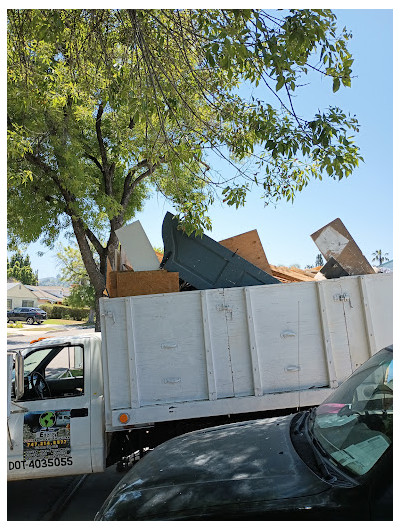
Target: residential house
<point x="23" y="295"/>
<point x="19" y="295"/>
<point x="49" y="294"/>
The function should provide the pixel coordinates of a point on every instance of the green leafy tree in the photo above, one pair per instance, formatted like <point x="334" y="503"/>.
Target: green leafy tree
<point x="380" y="257"/>
<point x="107" y="106"/>
<point x="19" y="268"/>
<point x="319" y="261"/>
<point x="73" y="272"/>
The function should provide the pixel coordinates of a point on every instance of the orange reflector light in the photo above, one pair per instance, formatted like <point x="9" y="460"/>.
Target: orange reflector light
<point x="123" y="418"/>
<point x="38" y="339"/>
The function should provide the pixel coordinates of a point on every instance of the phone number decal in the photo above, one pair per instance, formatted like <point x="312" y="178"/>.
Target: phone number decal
<point x="46" y="435"/>
<point x="40" y="463"/>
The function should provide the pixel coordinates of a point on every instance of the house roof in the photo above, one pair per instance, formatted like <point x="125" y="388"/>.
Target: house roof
<point x="12" y="285"/>
<point x="50" y="293"/>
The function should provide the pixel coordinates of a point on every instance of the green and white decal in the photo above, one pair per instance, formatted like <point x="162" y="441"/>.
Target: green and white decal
<point x="46" y="434"/>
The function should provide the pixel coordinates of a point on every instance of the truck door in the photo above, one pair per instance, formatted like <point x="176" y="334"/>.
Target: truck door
<point x="49" y="428"/>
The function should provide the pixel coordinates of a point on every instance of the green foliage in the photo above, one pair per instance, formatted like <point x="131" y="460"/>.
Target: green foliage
<point x="379" y="257"/>
<point x="19" y="268"/>
<point x="106" y="106"/>
<point x="15" y="325"/>
<point x="319" y="261"/>
<point x="58" y="311"/>
<point x="73" y="271"/>
<point x="81" y="296"/>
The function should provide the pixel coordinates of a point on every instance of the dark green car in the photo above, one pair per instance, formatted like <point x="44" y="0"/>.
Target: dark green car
<point x="333" y="462"/>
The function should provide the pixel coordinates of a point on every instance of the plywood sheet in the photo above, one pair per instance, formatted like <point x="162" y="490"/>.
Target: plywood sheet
<point x="111" y="284"/>
<point x="132" y="283"/>
<point x="289" y="274"/>
<point x="137" y="247"/>
<point x="248" y="245"/>
<point x="335" y="241"/>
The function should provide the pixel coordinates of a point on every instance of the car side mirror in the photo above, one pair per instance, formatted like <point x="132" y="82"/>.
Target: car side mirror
<point x="19" y="376"/>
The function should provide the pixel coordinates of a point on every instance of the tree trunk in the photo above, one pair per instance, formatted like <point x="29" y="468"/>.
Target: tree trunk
<point x="97" y="325"/>
<point x="92" y="313"/>
<point x="97" y="277"/>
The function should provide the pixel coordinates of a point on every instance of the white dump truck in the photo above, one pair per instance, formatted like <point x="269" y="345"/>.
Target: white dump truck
<point x="170" y="363"/>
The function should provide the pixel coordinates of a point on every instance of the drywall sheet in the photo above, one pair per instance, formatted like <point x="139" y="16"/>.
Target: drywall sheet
<point x="335" y="241"/>
<point x="137" y="247"/>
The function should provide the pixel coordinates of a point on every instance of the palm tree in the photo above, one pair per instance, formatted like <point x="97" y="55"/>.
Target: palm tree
<point x="380" y="257"/>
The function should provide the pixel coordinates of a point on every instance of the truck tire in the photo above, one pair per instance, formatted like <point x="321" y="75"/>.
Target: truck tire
<point x="30" y="320"/>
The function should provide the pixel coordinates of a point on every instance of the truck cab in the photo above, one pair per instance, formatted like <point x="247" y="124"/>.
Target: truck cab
<point x="55" y="416"/>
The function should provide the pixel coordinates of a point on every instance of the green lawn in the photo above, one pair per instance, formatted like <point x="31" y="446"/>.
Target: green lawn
<point x="62" y="322"/>
<point x="22" y="324"/>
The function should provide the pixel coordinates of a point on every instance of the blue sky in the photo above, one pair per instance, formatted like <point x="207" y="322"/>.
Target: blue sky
<point x="364" y="201"/>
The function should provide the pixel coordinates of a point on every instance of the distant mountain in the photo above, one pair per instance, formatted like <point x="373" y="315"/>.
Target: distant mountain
<point x="52" y="281"/>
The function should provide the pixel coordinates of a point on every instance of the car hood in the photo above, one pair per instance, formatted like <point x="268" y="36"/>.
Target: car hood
<point x="238" y="467"/>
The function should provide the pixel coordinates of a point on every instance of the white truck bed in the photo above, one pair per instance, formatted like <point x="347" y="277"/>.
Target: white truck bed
<point x="224" y="351"/>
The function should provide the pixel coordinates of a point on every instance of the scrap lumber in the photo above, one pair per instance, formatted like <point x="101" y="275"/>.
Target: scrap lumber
<point x="287" y="274"/>
<point x="138" y="249"/>
<point x="132" y="283"/>
<point x="334" y="241"/>
<point x="248" y="245"/>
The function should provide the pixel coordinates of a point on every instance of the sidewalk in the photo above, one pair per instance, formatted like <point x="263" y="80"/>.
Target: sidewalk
<point x="39" y="329"/>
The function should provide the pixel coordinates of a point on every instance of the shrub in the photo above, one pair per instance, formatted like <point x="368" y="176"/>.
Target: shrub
<point x="15" y="325"/>
<point x="58" y="311"/>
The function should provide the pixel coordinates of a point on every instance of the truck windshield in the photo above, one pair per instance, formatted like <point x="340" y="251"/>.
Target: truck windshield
<point x="355" y="425"/>
<point x="33" y="359"/>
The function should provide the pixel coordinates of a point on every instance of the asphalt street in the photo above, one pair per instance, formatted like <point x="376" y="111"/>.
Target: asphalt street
<point x="68" y="498"/>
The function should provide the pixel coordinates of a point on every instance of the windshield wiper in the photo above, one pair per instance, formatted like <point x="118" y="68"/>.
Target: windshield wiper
<point x="320" y="455"/>
<point x="300" y="422"/>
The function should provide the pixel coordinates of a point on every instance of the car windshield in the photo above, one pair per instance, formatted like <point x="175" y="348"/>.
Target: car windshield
<point x="355" y="425"/>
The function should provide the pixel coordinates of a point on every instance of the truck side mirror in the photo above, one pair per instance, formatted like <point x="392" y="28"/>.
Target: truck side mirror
<point x="19" y="376"/>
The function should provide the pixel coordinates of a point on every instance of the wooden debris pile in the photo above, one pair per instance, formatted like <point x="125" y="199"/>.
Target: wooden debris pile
<point x="191" y="262"/>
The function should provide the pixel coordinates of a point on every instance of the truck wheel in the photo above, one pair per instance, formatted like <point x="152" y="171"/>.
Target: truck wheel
<point x="30" y="320"/>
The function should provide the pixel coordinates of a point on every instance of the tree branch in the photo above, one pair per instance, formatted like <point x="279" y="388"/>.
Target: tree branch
<point x="129" y="184"/>
<point x="107" y="170"/>
<point x="68" y="197"/>
<point x="94" y="241"/>
<point x="99" y="135"/>
<point x="93" y="159"/>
